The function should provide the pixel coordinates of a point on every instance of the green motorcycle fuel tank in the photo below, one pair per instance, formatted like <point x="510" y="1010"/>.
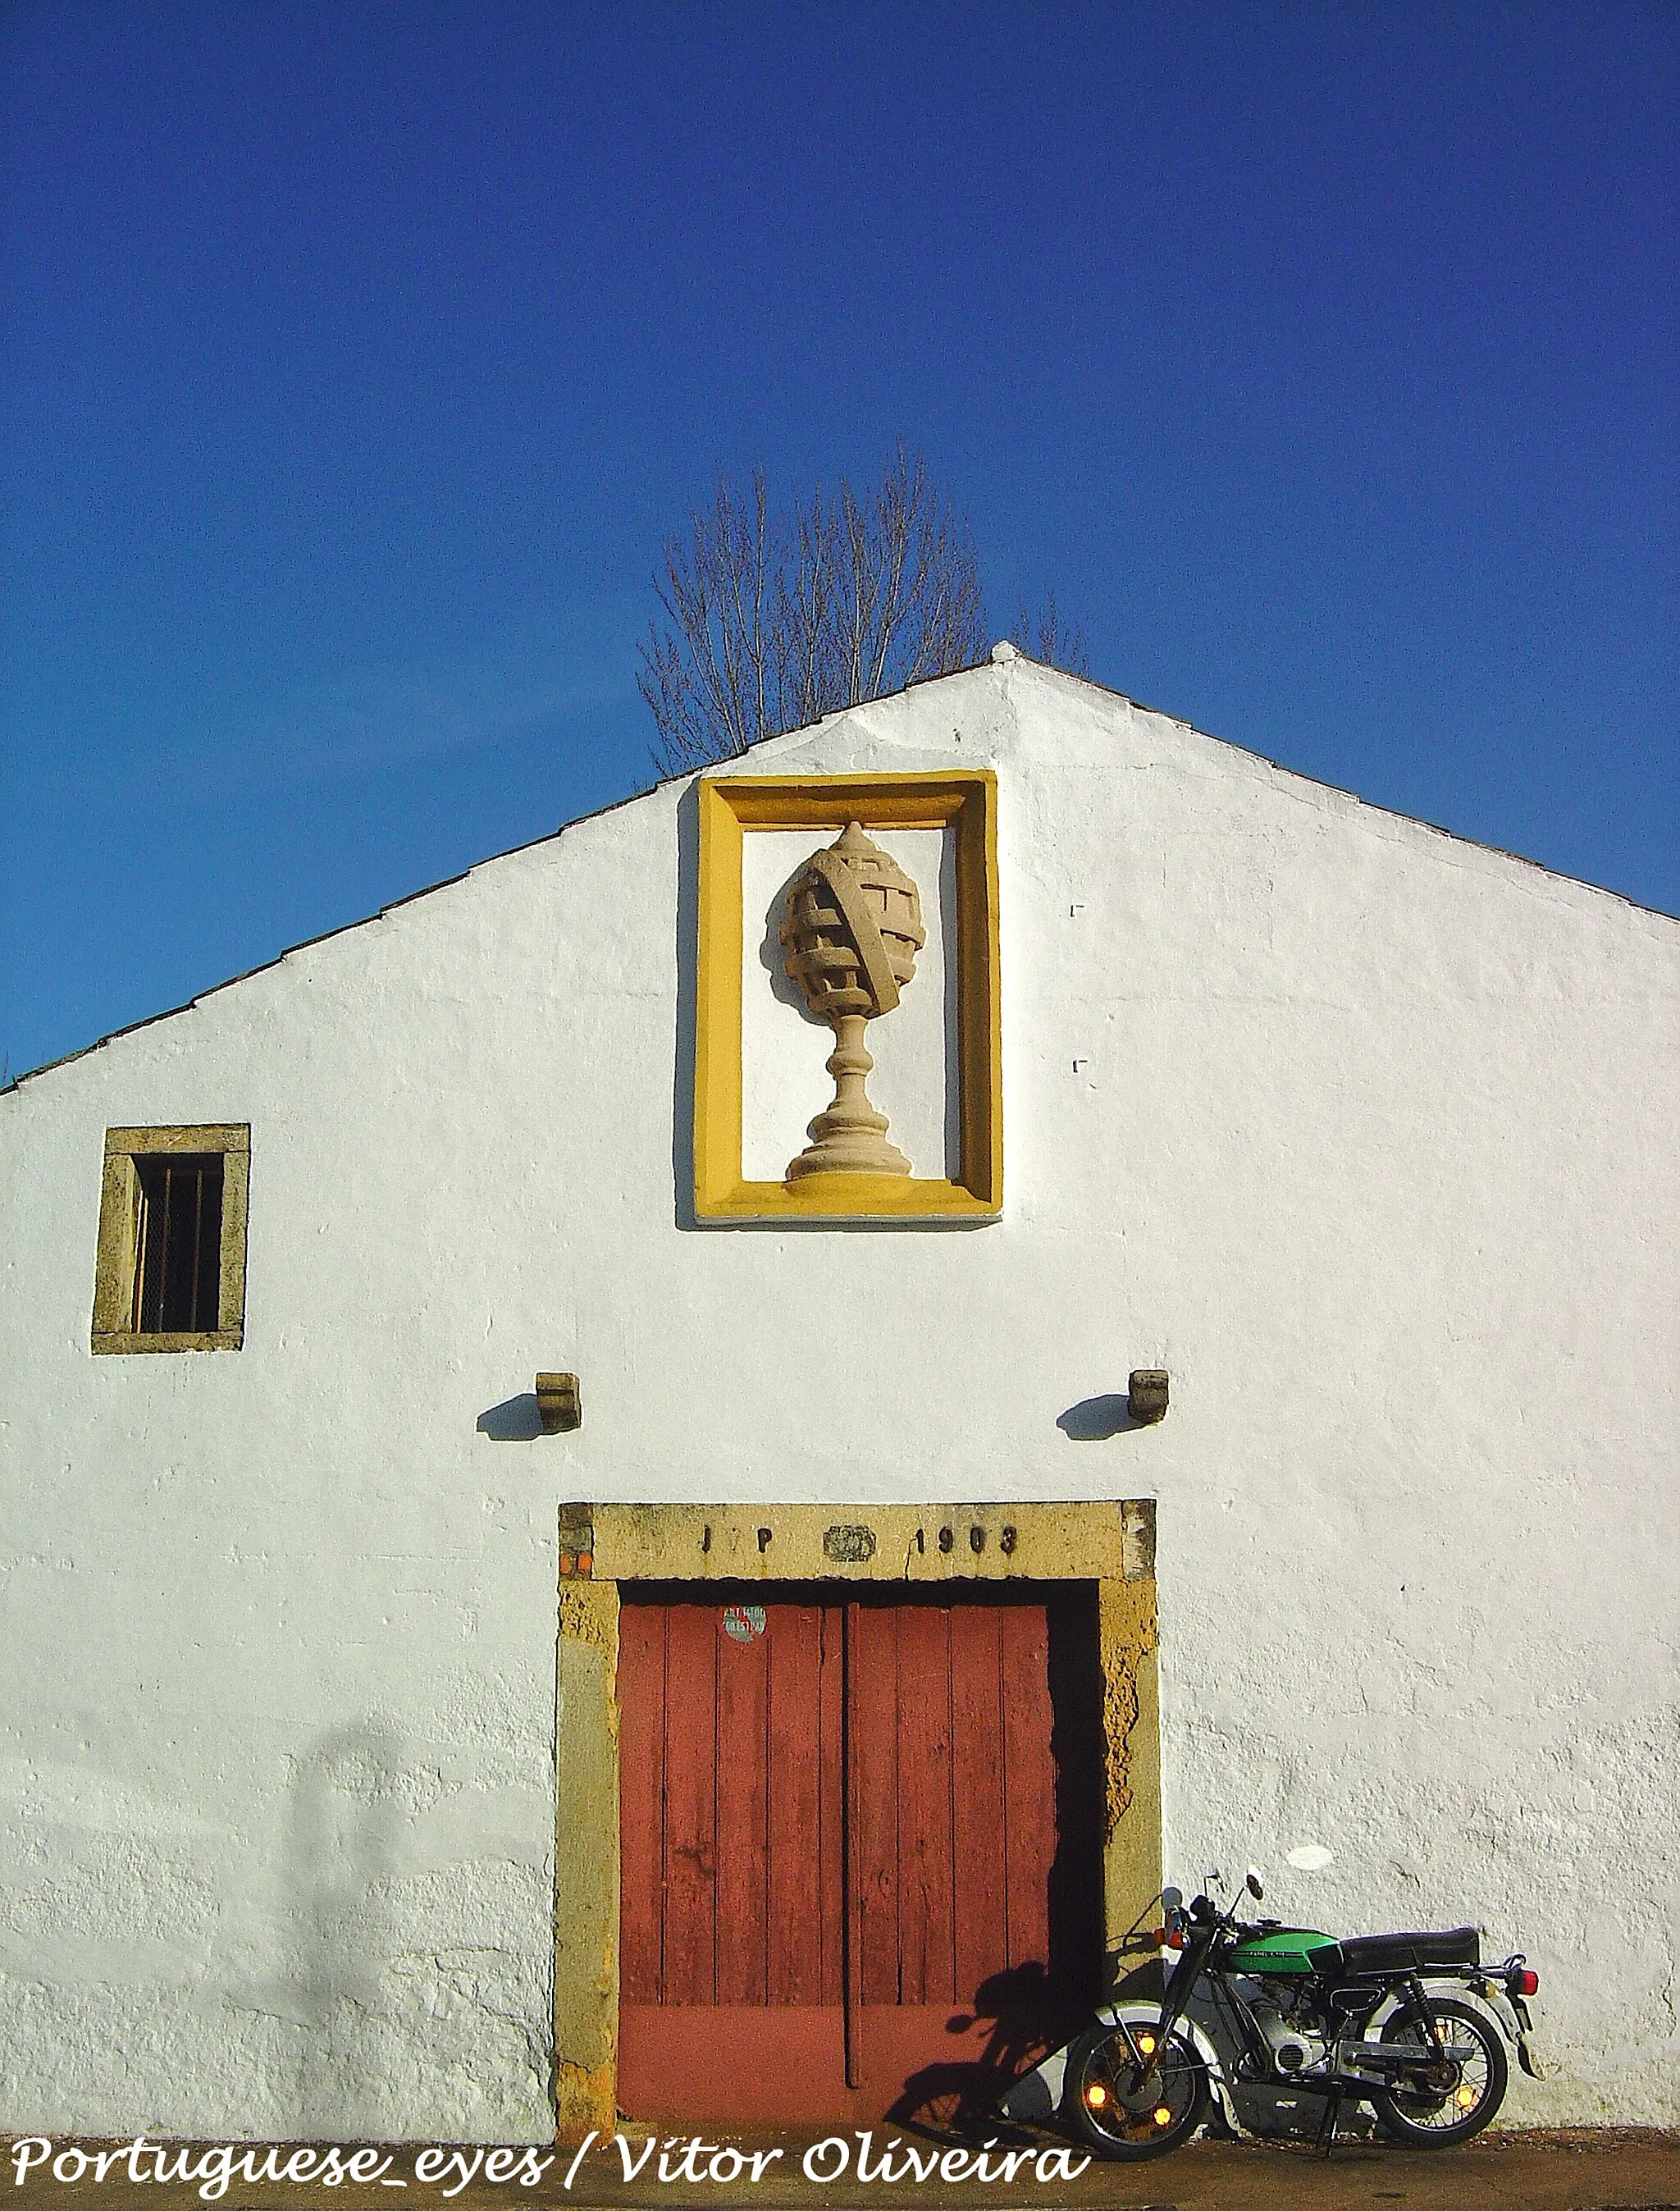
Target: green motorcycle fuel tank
<point x="1285" y="1950"/>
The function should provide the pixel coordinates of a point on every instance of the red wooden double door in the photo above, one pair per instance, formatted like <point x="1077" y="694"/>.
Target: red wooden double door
<point x="859" y="1845"/>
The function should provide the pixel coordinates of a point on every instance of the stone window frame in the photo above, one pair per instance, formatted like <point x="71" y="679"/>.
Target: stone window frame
<point x="117" y="1256"/>
<point x="732" y="808"/>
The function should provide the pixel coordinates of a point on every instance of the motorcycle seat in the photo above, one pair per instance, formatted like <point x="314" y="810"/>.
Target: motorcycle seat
<point x="1411" y="1953"/>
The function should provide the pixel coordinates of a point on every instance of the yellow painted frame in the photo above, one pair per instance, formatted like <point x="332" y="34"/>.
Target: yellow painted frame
<point x="730" y="808"/>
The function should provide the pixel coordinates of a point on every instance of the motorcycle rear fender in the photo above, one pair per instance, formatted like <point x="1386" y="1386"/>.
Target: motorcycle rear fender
<point x="1037" y="2096"/>
<point x="1496" y="2004"/>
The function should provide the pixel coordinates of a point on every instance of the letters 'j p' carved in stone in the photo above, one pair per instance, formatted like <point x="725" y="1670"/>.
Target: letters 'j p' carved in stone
<point x="851" y="932"/>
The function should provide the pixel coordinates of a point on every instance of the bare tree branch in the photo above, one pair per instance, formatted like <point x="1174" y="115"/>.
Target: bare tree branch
<point x="1050" y="639"/>
<point x="771" y="621"/>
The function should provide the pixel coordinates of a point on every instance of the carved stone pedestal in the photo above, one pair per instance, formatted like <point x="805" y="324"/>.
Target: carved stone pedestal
<point x="852" y="930"/>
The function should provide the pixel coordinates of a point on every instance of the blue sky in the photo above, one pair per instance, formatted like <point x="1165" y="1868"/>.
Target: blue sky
<point x="1321" y="359"/>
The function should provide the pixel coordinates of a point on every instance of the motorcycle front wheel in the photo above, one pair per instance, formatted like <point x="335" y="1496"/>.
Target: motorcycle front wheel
<point x="1123" y="2115"/>
<point x="1439" y="2104"/>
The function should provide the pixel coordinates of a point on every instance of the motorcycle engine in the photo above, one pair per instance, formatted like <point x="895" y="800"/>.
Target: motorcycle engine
<point x="1294" y="2048"/>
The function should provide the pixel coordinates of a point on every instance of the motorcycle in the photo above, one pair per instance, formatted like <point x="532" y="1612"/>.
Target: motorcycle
<point x="1412" y="2024"/>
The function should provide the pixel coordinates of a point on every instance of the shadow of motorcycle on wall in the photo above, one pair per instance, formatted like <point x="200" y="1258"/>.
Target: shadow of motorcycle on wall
<point x="1028" y="2017"/>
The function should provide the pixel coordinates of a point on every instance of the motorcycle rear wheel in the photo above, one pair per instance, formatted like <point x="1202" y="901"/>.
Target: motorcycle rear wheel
<point x="1129" y="2119"/>
<point x="1446" y="2110"/>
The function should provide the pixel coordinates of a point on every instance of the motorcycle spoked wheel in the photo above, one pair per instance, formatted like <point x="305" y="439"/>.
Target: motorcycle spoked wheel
<point x="1449" y="2103"/>
<point x="1125" y="2118"/>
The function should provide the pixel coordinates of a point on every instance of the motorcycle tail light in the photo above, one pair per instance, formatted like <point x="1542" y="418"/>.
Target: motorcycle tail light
<point x="1526" y="1984"/>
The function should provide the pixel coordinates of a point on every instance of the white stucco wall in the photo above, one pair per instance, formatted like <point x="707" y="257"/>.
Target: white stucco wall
<point x="1366" y="1135"/>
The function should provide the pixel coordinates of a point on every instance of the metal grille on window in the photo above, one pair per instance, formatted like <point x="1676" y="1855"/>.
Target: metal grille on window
<point x="178" y="1276"/>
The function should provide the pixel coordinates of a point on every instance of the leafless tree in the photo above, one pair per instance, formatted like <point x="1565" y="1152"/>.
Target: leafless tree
<point x="1049" y="639"/>
<point x="774" y="620"/>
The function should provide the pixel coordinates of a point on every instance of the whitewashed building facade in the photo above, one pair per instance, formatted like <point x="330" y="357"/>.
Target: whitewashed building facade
<point x="1363" y="1135"/>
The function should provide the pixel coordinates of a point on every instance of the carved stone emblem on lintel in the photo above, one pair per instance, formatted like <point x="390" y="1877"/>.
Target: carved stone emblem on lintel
<point x="850" y="935"/>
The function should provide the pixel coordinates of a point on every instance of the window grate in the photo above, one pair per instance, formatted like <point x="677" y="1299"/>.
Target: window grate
<point x="177" y="1239"/>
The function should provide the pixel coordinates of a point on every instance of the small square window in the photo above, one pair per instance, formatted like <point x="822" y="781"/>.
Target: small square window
<point x="170" y="1272"/>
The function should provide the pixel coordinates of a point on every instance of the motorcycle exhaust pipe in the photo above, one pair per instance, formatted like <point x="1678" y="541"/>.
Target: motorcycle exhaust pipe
<point x="1397" y="2057"/>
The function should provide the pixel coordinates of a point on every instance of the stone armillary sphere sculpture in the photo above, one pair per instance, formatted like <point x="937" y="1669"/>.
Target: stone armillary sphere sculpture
<point x="851" y="933"/>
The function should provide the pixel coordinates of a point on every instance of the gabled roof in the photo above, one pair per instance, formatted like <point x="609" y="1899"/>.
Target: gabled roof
<point x="1002" y="656"/>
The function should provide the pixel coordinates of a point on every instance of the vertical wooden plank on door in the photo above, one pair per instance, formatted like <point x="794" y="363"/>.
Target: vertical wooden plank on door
<point x="1029" y="1782"/>
<point x="976" y="1731"/>
<point x="835" y="1886"/>
<point x="853" y="1648"/>
<point x="792" y="1644"/>
<point x="743" y="1805"/>
<point x="926" y="1837"/>
<point x="691" y="1807"/>
<point x="641" y="1696"/>
<point x="872" y="1758"/>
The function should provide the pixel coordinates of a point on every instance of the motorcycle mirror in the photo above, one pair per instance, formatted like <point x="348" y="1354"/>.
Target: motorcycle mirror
<point x="1172" y="1899"/>
<point x="1310" y="1858"/>
<point x="1251" y="1881"/>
